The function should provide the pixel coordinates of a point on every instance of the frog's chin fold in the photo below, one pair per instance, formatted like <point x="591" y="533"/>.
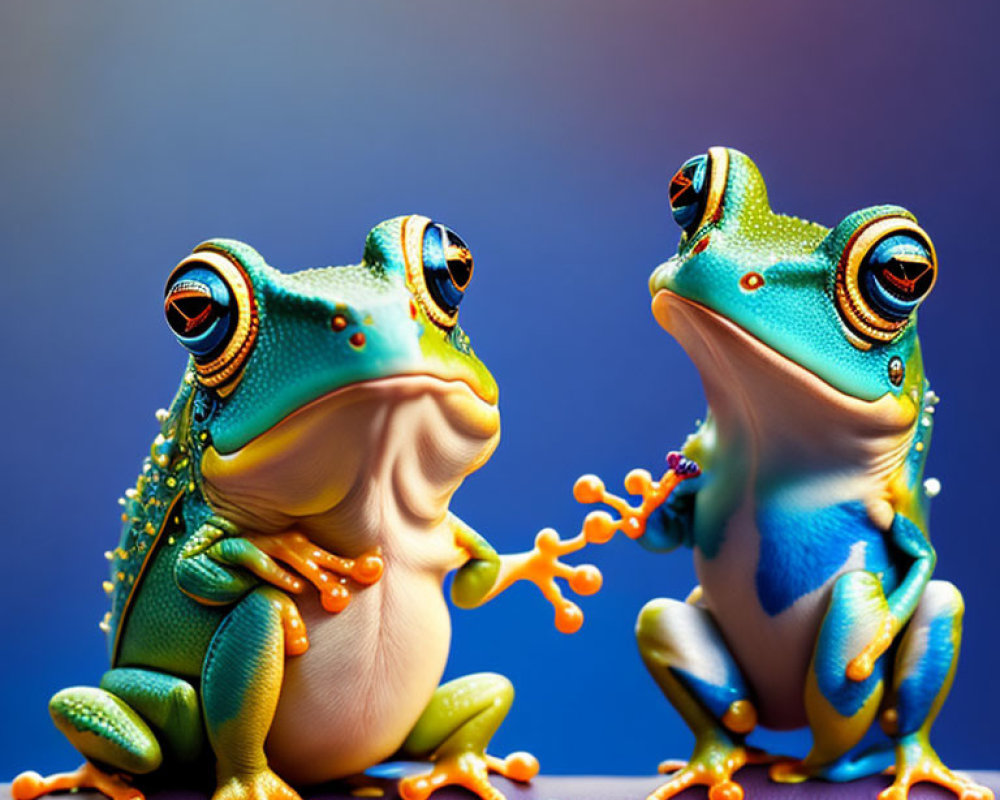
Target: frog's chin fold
<point x="412" y="438"/>
<point x="766" y="403"/>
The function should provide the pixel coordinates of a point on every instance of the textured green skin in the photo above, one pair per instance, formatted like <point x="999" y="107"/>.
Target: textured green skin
<point x="180" y="615"/>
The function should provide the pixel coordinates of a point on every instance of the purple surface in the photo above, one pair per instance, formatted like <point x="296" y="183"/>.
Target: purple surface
<point x="563" y="787"/>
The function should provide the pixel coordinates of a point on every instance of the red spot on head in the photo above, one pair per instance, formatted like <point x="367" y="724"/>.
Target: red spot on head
<point x="413" y="310"/>
<point x="339" y="322"/>
<point x="752" y="281"/>
<point x="357" y="339"/>
<point x="702" y="244"/>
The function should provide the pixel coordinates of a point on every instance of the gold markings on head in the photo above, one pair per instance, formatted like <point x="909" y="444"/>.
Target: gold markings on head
<point x="413" y="230"/>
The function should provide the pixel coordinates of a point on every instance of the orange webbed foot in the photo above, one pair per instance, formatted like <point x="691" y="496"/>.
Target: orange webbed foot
<point x="31" y="785"/>
<point x="543" y="564"/>
<point x="329" y="573"/>
<point x="600" y="526"/>
<point x="931" y="770"/>
<point x="712" y="766"/>
<point x="471" y="771"/>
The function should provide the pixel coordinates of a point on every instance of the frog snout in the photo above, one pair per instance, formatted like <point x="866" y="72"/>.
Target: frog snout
<point x="663" y="274"/>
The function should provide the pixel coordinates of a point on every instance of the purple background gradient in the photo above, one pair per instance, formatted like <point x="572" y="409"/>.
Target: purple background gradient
<point x="544" y="133"/>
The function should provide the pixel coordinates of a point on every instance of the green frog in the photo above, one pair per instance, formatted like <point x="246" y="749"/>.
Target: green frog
<point x="324" y="421"/>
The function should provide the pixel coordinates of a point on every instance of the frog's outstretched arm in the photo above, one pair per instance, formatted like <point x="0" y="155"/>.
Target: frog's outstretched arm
<point x="661" y="521"/>
<point x="486" y="574"/>
<point x="902" y="601"/>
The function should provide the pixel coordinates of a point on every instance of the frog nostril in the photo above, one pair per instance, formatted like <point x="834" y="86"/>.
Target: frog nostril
<point x="339" y="322"/>
<point x="752" y="281"/>
<point x="357" y="339"/>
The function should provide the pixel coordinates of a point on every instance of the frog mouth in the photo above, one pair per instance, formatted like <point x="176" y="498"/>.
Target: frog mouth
<point x="421" y="433"/>
<point x="764" y="399"/>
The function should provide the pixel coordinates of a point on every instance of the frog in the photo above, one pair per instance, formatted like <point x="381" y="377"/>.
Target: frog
<point x="801" y="493"/>
<point x="277" y="602"/>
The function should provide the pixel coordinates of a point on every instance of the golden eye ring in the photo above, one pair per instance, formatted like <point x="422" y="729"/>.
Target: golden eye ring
<point x="413" y="229"/>
<point x="222" y="373"/>
<point x="855" y="308"/>
<point x="719" y="163"/>
<point x="697" y="189"/>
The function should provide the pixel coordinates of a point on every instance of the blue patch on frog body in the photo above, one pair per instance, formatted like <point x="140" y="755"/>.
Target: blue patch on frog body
<point x="716" y="698"/>
<point x="802" y="549"/>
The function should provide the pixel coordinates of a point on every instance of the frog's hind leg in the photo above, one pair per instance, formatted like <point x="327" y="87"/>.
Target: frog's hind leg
<point x="454" y="731"/>
<point x="107" y="731"/>
<point x="686" y="655"/>
<point x="241" y="681"/>
<point x="922" y="676"/>
<point x="841" y="710"/>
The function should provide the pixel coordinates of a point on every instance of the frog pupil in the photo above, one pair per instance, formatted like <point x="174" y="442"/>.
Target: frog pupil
<point x="906" y="278"/>
<point x="688" y="193"/>
<point x="447" y="267"/>
<point x="188" y="314"/>
<point x="896" y="276"/>
<point x="198" y="310"/>
<point x="459" y="260"/>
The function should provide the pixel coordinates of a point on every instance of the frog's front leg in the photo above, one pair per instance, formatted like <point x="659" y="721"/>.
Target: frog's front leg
<point x="327" y="572"/>
<point x="454" y="731"/>
<point x="486" y="573"/>
<point x="686" y="655"/>
<point x="219" y="567"/>
<point x="840" y="709"/>
<point x="218" y="544"/>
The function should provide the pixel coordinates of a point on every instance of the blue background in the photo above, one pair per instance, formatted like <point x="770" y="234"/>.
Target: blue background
<point x="544" y="133"/>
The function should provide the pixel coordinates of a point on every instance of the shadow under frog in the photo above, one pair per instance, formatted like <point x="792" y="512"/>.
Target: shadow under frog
<point x="324" y="421"/>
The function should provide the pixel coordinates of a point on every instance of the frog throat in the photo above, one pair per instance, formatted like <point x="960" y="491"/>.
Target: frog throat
<point x="326" y="457"/>
<point x="775" y="412"/>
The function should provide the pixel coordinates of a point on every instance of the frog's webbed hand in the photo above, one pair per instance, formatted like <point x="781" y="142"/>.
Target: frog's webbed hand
<point x="487" y="574"/>
<point x="600" y="526"/>
<point x="329" y="573"/>
<point x="902" y="601"/>
<point x="217" y="566"/>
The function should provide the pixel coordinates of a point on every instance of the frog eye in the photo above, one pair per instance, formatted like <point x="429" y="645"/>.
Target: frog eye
<point x="884" y="274"/>
<point x="200" y="310"/>
<point x="696" y="190"/>
<point x="438" y="268"/>
<point x="209" y="305"/>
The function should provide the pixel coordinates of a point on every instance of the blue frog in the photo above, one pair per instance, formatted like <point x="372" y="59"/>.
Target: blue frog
<point x="809" y="520"/>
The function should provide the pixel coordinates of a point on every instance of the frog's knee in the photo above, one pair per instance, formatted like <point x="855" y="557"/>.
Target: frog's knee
<point x="105" y="729"/>
<point x="941" y="599"/>
<point x="489" y="686"/>
<point x="167" y="703"/>
<point x="857" y="586"/>
<point x="166" y="698"/>
<point x="653" y="624"/>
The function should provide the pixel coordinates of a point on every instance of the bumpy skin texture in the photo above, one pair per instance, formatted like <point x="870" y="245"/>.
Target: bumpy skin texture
<point x="323" y="423"/>
<point x="809" y="521"/>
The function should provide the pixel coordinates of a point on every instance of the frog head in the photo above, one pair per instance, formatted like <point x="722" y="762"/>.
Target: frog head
<point x="295" y="377"/>
<point x="771" y="306"/>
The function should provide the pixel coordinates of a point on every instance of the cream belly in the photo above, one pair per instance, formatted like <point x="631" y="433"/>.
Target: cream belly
<point x="773" y="653"/>
<point x="353" y="697"/>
